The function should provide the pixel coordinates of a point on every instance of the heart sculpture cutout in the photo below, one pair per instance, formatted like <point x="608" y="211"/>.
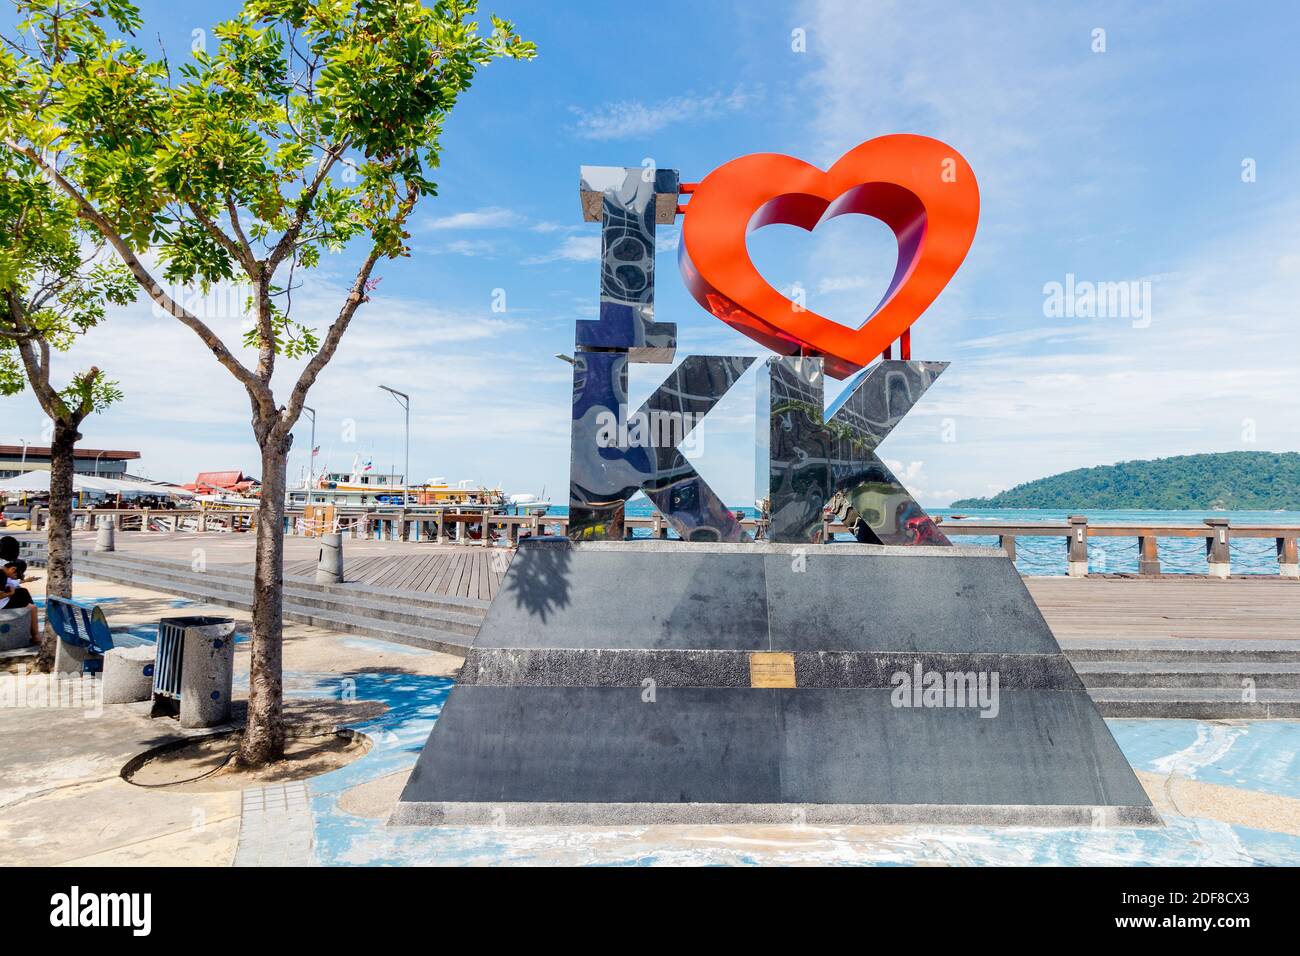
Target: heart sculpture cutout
<point x="924" y="190"/>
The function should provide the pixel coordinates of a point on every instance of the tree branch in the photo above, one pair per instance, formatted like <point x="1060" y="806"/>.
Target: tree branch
<point x="257" y="389"/>
<point x="88" y="396"/>
<point x="305" y="199"/>
<point x="244" y="258"/>
<point x="238" y="229"/>
<point x="37" y="368"/>
<point x="307" y="378"/>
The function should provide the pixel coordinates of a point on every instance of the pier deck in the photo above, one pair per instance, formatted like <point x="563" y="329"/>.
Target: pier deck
<point x="1169" y="607"/>
<point x="1121" y="608"/>
<point x="425" y="568"/>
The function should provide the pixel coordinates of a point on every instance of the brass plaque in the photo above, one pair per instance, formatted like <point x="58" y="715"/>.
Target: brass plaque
<point x="771" y="669"/>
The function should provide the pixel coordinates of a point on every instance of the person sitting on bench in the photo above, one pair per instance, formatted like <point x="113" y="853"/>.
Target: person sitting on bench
<point x="14" y="596"/>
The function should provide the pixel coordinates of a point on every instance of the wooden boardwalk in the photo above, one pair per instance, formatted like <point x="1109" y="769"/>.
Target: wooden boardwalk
<point x="384" y="565"/>
<point x="464" y="572"/>
<point x="1170" y="606"/>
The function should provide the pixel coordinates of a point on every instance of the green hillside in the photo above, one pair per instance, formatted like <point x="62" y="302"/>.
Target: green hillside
<point x="1234" y="480"/>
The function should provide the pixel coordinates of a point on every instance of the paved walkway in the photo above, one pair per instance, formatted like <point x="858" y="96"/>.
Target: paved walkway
<point x="275" y="826"/>
<point x="1229" y="791"/>
<point x="63" y="800"/>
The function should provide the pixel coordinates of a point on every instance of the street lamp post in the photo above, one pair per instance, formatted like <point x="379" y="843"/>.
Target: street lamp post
<point x="405" y="401"/>
<point x="97" y="457"/>
<point x="311" y="451"/>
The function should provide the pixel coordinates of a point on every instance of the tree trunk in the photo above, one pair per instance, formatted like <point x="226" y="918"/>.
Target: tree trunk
<point x="264" y="736"/>
<point x="58" y="580"/>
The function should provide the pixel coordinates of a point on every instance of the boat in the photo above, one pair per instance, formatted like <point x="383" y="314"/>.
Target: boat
<point x="527" y="504"/>
<point x="363" y="487"/>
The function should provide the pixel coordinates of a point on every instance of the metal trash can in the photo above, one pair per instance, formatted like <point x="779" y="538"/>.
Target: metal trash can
<point x="195" y="669"/>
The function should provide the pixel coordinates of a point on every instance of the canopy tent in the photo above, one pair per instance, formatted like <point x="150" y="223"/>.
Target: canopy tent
<point x="38" y="482"/>
<point x="131" y="486"/>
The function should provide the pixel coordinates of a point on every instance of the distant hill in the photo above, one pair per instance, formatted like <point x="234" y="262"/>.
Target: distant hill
<point x="1233" y="480"/>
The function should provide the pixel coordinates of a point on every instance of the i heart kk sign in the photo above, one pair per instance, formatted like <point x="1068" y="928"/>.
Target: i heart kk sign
<point x="923" y="189"/>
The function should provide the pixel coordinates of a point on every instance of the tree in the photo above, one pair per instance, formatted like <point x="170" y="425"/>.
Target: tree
<point x="312" y="128"/>
<point x="54" y="286"/>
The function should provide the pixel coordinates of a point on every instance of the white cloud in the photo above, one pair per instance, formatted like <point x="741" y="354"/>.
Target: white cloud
<point x="843" y="284"/>
<point x="185" y="413"/>
<point x="572" y="249"/>
<point x="629" y="118"/>
<point x="491" y="217"/>
<point x="463" y="247"/>
<point x="1032" y="396"/>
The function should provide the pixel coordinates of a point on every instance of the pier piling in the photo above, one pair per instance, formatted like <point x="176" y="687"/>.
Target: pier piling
<point x="1216" y="548"/>
<point x="1077" y="547"/>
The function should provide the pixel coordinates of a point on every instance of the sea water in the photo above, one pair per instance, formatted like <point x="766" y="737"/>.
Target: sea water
<point x="1045" y="556"/>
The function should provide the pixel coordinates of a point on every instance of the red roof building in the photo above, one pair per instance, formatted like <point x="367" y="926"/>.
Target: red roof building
<point x="210" y="482"/>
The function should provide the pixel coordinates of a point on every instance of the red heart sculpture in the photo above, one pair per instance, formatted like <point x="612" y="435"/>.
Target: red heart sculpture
<point x="921" y="188"/>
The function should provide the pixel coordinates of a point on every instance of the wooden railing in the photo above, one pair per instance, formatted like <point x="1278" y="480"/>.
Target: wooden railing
<point x="1217" y="533"/>
<point x="465" y="527"/>
<point x="1075" y="533"/>
<point x="154" y="519"/>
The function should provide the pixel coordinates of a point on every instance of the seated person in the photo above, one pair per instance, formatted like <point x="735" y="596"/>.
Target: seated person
<point x="14" y="596"/>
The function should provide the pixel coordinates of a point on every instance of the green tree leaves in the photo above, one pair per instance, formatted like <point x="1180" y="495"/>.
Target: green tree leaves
<point x="309" y="126"/>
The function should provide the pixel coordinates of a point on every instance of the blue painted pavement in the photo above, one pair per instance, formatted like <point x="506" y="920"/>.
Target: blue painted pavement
<point x="1258" y="755"/>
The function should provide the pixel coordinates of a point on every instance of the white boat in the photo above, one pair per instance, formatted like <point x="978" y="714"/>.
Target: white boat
<point x="363" y="487"/>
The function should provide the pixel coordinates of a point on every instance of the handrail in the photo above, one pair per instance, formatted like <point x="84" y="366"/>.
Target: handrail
<point x="453" y="524"/>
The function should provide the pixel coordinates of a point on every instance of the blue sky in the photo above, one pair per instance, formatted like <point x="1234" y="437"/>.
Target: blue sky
<point x="1115" y="166"/>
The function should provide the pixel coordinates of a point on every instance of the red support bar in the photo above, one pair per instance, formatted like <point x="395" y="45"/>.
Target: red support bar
<point x="685" y="189"/>
<point x="680" y="209"/>
<point x="888" y="353"/>
<point x="905" y="345"/>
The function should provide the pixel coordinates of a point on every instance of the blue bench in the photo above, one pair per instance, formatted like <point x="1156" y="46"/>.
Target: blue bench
<point x="84" y="635"/>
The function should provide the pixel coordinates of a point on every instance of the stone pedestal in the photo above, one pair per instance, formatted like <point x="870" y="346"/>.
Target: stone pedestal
<point x="69" y="659"/>
<point x="628" y="683"/>
<point x="15" y="628"/>
<point x="128" y="674"/>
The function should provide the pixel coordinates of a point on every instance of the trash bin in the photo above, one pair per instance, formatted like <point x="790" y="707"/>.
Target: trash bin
<point x="195" y="668"/>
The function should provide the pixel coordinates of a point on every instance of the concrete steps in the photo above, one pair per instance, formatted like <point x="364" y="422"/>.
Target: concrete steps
<point x="1201" y="650"/>
<point x="1187" y="674"/>
<point x="1195" y="703"/>
<point x="437" y="622"/>
<point x="1197" y="679"/>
